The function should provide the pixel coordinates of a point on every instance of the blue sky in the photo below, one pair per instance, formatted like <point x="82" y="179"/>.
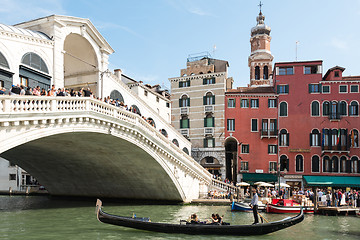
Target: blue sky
<point x="153" y="38"/>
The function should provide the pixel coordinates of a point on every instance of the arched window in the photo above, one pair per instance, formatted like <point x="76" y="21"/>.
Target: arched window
<point x="334" y="110"/>
<point x="335" y="164"/>
<point x="315" y="161"/>
<point x="299" y="161"/>
<point x="315" y="109"/>
<point x="184" y="101"/>
<point x="355" y="164"/>
<point x="326" y="164"/>
<point x="257" y="73"/>
<point x="315" y="138"/>
<point x="334" y="138"/>
<point x="135" y="109"/>
<point x="164" y="132"/>
<point x="35" y="61"/>
<point x="343" y="108"/>
<point x="151" y="122"/>
<point x="3" y="62"/>
<point x="116" y="95"/>
<point x="343" y="164"/>
<point x="184" y="122"/>
<point x="353" y="109"/>
<point x="209" y="120"/>
<point x="354" y="138"/>
<point x="326" y="108"/>
<point x="176" y="142"/>
<point x="209" y="99"/>
<point x="266" y="72"/>
<point x="186" y="150"/>
<point x="283" y="109"/>
<point x="284" y="138"/>
<point x="284" y="163"/>
<point x="326" y="138"/>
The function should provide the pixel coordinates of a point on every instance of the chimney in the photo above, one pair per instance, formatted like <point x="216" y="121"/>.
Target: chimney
<point x="118" y="73"/>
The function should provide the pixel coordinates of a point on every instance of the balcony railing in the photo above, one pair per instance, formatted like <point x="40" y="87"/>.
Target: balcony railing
<point x="208" y="131"/>
<point x="184" y="132"/>
<point x="335" y="148"/>
<point x="184" y="110"/>
<point x="209" y="108"/>
<point x="269" y="133"/>
<point x="334" y="116"/>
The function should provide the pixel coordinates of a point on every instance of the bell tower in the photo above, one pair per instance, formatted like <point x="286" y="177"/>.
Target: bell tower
<point x="260" y="59"/>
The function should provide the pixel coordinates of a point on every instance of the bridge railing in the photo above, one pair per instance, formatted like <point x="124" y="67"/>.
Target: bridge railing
<point x="34" y="104"/>
<point x="217" y="184"/>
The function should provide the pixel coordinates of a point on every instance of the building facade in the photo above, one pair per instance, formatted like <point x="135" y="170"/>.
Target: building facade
<point x="198" y="108"/>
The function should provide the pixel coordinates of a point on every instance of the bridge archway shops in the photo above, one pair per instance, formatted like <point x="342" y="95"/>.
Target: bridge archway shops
<point x="231" y="155"/>
<point x="212" y="165"/>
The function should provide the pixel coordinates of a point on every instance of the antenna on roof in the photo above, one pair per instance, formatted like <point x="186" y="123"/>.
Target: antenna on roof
<point x="214" y="49"/>
<point x="296" y="47"/>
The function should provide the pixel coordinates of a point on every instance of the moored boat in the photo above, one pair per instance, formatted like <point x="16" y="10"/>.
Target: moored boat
<point x="199" y="229"/>
<point x="244" y="207"/>
<point x="287" y="206"/>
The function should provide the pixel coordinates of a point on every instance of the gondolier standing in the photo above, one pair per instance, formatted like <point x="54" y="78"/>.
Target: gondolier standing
<point x="254" y="206"/>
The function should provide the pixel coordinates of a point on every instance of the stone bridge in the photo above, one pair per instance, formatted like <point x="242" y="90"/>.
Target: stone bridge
<point x="85" y="147"/>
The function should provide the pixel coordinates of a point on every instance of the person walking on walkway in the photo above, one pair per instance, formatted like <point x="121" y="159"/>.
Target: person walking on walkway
<point x="254" y="206"/>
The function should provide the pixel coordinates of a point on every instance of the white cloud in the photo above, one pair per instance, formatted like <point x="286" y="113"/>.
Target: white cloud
<point x="110" y="25"/>
<point x="339" y="43"/>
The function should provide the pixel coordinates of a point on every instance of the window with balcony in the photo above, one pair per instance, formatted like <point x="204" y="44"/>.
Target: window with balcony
<point x="315" y="138"/>
<point x="184" y="101"/>
<point x="209" y="121"/>
<point x="244" y="103"/>
<point x="315" y="109"/>
<point x="354" y="109"/>
<point x="299" y="163"/>
<point x="185" y="122"/>
<point x="282" y="89"/>
<point x="272" y="149"/>
<point x="272" y="103"/>
<point x="209" y="99"/>
<point x="244" y="166"/>
<point x="231" y="103"/>
<point x="254" y="125"/>
<point x="184" y="84"/>
<point x="245" y="148"/>
<point x="286" y="70"/>
<point x="284" y="138"/>
<point x="254" y="103"/>
<point x="354" y="138"/>
<point x="314" y="88"/>
<point x="231" y="125"/>
<point x="334" y="111"/>
<point x="315" y="164"/>
<point x="207" y="81"/>
<point x="209" y="142"/>
<point x="269" y="127"/>
<point x="283" y="109"/>
<point x="354" y="88"/>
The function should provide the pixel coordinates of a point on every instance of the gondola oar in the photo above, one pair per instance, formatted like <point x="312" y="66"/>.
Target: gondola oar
<point x="263" y="217"/>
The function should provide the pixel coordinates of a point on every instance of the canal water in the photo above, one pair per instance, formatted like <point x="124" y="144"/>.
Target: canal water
<point x="39" y="217"/>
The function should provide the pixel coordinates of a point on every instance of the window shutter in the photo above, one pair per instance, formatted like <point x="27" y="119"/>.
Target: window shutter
<point x="287" y="164"/>
<point x="277" y="89"/>
<point x="213" y="99"/>
<point x="188" y="123"/>
<point x="205" y="122"/>
<point x="188" y="102"/>
<point x="205" y="145"/>
<point x="287" y="88"/>
<point x="181" y="123"/>
<point x="180" y="102"/>
<point x="204" y="100"/>
<point x="268" y="148"/>
<point x="188" y="83"/>
<point x="309" y="88"/>
<point x="311" y="143"/>
<point x="320" y="88"/>
<point x="213" y="121"/>
<point x="287" y="137"/>
<point x="276" y="148"/>
<point x="204" y="81"/>
<point x="180" y="84"/>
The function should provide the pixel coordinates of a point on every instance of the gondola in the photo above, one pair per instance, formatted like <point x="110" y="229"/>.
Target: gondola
<point x="196" y="229"/>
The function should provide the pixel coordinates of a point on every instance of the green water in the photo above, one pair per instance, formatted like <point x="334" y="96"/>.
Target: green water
<point x="47" y="218"/>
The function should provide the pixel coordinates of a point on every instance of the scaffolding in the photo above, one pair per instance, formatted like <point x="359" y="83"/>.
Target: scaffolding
<point x="198" y="56"/>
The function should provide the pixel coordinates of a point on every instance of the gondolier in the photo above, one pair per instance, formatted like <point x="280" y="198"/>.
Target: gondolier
<point x="254" y="206"/>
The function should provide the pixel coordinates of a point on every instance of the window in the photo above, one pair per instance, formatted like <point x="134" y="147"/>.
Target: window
<point x="343" y="89"/>
<point x="11" y="164"/>
<point x="168" y="105"/>
<point x="244" y="103"/>
<point x="344" y="165"/>
<point x="186" y="150"/>
<point x="176" y="142"/>
<point x="12" y="177"/>
<point x="209" y="142"/>
<point x="343" y="108"/>
<point x="354" y="109"/>
<point x="326" y="164"/>
<point x="310" y="69"/>
<point x="145" y="93"/>
<point x="184" y="84"/>
<point x="209" y="160"/>
<point x="254" y="125"/>
<point x="231" y="103"/>
<point x="271" y="103"/>
<point x="282" y="89"/>
<point x="326" y="108"/>
<point x="283" y="109"/>
<point x="284" y="163"/>
<point x="266" y="72"/>
<point x="245" y="148"/>
<point x="336" y="74"/>
<point x="207" y="81"/>
<point x="254" y="103"/>
<point x="231" y="124"/>
<point x="185" y="122"/>
<point x="315" y="164"/>
<point x="157" y="99"/>
<point x="24" y="81"/>
<point x="315" y="138"/>
<point x="209" y="121"/>
<point x="272" y="166"/>
<point x="244" y="166"/>
<point x="314" y="88"/>
<point x="284" y="138"/>
<point x="355" y="165"/>
<point x="299" y="163"/>
<point x="35" y="61"/>
<point x="3" y="62"/>
<point x="257" y="73"/>
<point x="286" y="70"/>
<point x="209" y="99"/>
<point x="315" y="109"/>
<point x="354" y="88"/>
<point x="184" y="101"/>
<point x="1" y="83"/>
<point x="272" y="149"/>
<point x="354" y="138"/>
<point x="325" y="89"/>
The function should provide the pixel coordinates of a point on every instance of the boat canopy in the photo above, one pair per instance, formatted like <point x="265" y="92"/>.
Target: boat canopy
<point x="331" y="181"/>
<point x="257" y="177"/>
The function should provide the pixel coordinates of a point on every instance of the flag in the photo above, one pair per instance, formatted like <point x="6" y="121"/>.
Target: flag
<point x="323" y="137"/>
<point x="352" y="138"/>
<point x="338" y="137"/>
